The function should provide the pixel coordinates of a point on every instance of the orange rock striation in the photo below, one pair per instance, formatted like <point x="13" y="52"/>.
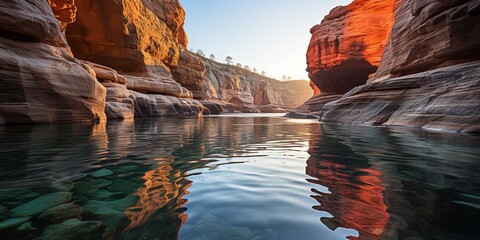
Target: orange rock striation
<point x="428" y="75"/>
<point x="348" y="45"/>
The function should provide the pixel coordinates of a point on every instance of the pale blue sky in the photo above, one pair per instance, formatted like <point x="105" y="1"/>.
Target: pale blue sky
<point x="270" y="35"/>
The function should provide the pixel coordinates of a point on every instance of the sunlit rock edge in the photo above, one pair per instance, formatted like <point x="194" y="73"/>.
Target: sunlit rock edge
<point x="427" y="75"/>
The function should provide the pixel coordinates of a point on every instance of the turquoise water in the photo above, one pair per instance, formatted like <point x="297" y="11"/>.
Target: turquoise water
<point x="236" y="177"/>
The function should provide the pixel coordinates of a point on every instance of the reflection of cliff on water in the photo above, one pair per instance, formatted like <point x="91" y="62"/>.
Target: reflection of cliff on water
<point x="39" y="154"/>
<point x="396" y="183"/>
<point x="180" y="152"/>
<point x="130" y="175"/>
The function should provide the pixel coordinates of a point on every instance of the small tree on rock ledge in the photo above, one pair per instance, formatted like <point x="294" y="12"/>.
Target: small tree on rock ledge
<point x="200" y="53"/>
<point x="228" y="59"/>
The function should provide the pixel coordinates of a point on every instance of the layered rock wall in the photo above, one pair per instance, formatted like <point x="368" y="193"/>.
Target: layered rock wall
<point x="432" y="34"/>
<point x="132" y="36"/>
<point x="444" y="99"/>
<point x="251" y="92"/>
<point x="348" y="45"/>
<point x="77" y="61"/>
<point x="40" y="79"/>
<point x="429" y="74"/>
<point x="145" y="41"/>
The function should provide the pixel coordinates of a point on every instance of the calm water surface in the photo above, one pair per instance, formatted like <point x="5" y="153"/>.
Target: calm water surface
<point x="236" y="177"/>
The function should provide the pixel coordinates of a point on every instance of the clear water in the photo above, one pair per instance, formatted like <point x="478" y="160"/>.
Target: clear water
<point x="237" y="177"/>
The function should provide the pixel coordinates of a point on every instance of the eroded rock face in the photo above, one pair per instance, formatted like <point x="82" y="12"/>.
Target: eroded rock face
<point x="445" y="99"/>
<point x="141" y="41"/>
<point x="190" y="73"/>
<point x="64" y="11"/>
<point x="143" y="37"/>
<point x="134" y="63"/>
<point x="40" y="78"/>
<point x="431" y="34"/>
<point x="428" y="76"/>
<point x="119" y="103"/>
<point x="251" y="92"/>
<point x="348" y="45"/>
<point x="426" y="35"/>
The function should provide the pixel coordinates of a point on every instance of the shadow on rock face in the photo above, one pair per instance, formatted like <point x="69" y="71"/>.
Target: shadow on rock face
<point x="342" y="78"/>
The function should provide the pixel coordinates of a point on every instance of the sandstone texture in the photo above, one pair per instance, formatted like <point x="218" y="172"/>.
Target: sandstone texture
<point x="141" y="43"/>
<point x="432" y="34"/>
<point x="444" y="99"/>
<point x="145" y="42"/>
<point x="40" y="79"/>
<point x="92" y="60"/>
<point x="348" y="45"/>
<point x="251" y="92"/>
<point x="428" y="77"/>
<point x="315" y="104"/>
<point x="132" y="36"/>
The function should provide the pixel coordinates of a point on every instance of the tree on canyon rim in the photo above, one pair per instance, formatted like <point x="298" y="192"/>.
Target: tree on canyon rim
<point x="200" y="53"/>
<point x="228" y="59"/>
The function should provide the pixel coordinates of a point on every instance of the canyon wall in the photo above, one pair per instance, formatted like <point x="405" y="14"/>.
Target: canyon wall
<point x="441" y="37"/>
<point x="90" y="60"/>
<point x="40" y="79"/>
<point x="224" y="86"/>
<point x="428" y="75"/>
<point x="141" y="41"/>
<point x="429" y="35"/>
<point x="345" y="48"/>
<point x="144" y="41"/>
<point x="251" y="92"/>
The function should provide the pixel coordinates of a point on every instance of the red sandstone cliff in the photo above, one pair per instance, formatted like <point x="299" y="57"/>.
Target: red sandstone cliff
<point x="348" y="45"/>
<point x="428" y="75"/>
<point x="345" y="48"/>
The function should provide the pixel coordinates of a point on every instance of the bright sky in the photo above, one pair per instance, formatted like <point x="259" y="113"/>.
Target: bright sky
<point x="270" y="35"/>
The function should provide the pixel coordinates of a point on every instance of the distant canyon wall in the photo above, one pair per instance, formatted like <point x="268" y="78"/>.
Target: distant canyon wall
<point x="90" y="60"/>
<point x="427" y="76"/>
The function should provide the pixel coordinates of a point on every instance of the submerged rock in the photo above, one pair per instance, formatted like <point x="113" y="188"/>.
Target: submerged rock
<point x="102" y="173"/>
<point x="17" y="194"/>
<point x="120" y="185"/>
<point x="115" y="207"/>
<point x="41" y="204"/>
<point x="26" y="227"/>
<point x="13" y="222"/>
<point x="62" y="186"/>
<point x="111" y="213"/>
<point x="70" y="229"/>
<point x="102" y="194"/>
<point x="61" y="213"/>
<point x="213" y="228"/>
